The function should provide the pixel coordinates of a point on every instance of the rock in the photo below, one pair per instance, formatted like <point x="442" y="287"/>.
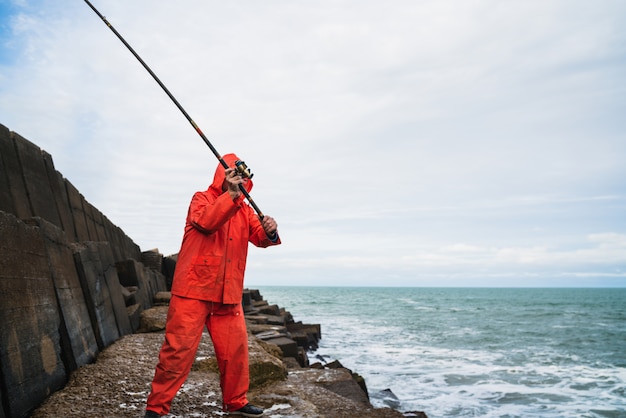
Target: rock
<point x="257" y="319"/>
<point x="335" y="364"/>
<point x="268" y="335"/>
<point x="341" y="382"/>
<point x="313" y="330"/>
<point x="275" y="320"/>
<point x="272" y="349"/>
<point x="389" y="398"/>
<point x="291" y="363"/>
<point x="153" y="319"/>
<point x="265" y="329"/>
<point x="255" y="294"/>
<point x="259" y="303"/>
<point x="246" y="299"/>
<point x="162" y="298"/>
<point x="265" y="366"/>
<point x="310" y="393"/>
<point x="270" y="310"/>
<point x="287" y="346"/>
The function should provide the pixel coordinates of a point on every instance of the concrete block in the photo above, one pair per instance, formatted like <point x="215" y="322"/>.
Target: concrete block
<point x="303" y="358"/>
<point x="134" y="314"/>
<point x="97" y="293"/>
<point x="30" y="355"/>
<point x="275" y="320"/>
<point x="15" y="181"/>
<point x="129" y="272"/>
<point x="132" y="273"/>
<point x="246" y="299"/>
<point x="269" y="310"/>
<point x="36" y="179"/>
<point x="314" y="330"/>
<point x="258" y="329"/>
<point x="59" y="191"/>
<point x="147" y="281"/>
<point x="98" y="218"/>
<point x="75" y="200"/>
<point x="78" y="341"/>
<point x="3" y="403"/>
<point x="6" y="198"/>
<point x="129" y="295"/>
<point x="92" y="228"/>
<point x="159" y="281"/>
<point x="169" y="266"/>
<point x="103" y="249"/>
<point x="255" y="294"/>
<point x="152" y="259"/>
<point x="257" y="319"/>
<point x="269" y="335"/>
<point x="123" y="247"/>
<point x="259" y="304"/>
<point x="286" y="345"/>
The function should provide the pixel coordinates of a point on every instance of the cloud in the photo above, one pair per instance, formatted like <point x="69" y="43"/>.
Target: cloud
<point x="391" y="141"/>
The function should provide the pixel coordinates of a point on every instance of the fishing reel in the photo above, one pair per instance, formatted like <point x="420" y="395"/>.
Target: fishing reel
<point x="242" y="169"/>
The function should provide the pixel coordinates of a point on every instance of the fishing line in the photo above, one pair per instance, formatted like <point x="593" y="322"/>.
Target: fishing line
<point x="240" y="166"/>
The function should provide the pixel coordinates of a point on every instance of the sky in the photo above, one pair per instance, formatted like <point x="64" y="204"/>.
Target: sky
<point x="396" y="143"/>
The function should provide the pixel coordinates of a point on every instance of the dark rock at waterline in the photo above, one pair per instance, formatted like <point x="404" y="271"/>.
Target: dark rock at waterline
<point x="388" y="398"/>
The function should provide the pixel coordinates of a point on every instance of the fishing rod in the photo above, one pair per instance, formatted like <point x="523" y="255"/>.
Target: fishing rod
<point x="240" y="166"/>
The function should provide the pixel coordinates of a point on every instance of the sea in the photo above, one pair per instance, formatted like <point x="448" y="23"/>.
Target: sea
<point x="474" y="352"/>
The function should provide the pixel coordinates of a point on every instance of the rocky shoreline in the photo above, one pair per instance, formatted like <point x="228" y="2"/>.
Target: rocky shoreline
<point x="283" y="380"/>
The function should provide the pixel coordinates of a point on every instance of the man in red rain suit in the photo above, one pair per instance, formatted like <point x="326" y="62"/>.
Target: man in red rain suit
<point x="207" y="290"/>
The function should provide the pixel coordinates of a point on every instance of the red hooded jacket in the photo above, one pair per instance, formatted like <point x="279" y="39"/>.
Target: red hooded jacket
<point x="212" y="258"/>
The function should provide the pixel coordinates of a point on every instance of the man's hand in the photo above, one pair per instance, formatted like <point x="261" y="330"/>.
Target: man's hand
<point x="233" y="180"/>
<point x="269" y="225"/>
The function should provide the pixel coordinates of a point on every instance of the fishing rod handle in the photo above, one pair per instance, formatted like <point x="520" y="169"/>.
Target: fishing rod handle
<point x="251" y="201"/>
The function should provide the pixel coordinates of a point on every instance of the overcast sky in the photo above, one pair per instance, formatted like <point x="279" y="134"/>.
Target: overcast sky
<point x="396" y="142"/>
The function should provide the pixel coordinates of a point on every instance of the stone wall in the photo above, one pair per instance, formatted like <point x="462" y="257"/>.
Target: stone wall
<point x="61" y="300"/>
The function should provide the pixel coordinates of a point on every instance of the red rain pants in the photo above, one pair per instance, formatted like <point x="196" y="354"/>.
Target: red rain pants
<point x="186" y="319"/>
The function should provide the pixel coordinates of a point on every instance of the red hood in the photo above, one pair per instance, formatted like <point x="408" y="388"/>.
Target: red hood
<point x="218" y="178"/>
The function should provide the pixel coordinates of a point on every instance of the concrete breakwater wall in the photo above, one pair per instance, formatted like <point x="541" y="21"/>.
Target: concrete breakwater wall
<point x="71" y="282"/>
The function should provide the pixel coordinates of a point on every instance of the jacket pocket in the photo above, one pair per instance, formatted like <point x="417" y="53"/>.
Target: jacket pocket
<point x="205" y="268"/>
